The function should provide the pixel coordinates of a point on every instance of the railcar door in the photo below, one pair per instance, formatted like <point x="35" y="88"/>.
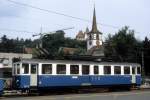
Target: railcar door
<point x="133" y="75"/>
<point x="86" y="81"/>
<point x="33" y="76"/>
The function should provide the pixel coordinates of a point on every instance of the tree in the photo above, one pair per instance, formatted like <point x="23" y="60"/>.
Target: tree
<point x="121" y="45"/>
<point x="52" y="43"/>
<point x="146" y="51"/>
<point x="14" y="45"/>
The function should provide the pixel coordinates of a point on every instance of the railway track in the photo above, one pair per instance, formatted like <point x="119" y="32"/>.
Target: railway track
<point x="14" y="93"/>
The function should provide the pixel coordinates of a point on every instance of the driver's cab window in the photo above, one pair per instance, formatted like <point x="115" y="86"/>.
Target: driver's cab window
<point x="18" y="68"/>
<point x="34" y="68"/>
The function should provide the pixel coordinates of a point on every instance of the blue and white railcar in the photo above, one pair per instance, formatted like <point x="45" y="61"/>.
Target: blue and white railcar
<point x="1" y="86"/>
<point x="51" y="74"/>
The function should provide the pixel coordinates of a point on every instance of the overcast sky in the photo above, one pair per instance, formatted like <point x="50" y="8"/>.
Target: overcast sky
<point x="133" y="13"/>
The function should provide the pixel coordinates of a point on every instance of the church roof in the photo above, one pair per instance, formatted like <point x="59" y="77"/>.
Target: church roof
<point x="96" y="51"/>
<point x="94" y="25"/>
<point x="80" y="34"/>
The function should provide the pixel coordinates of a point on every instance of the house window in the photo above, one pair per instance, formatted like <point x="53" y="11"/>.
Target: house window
<point x="107" y="69"/>
<point x="46" y="68"/>
<point x="85" y="69"/>
<point x="117" y="70"/>
<point x="126" y="70"/>
<point x="74" y="69"/>
<point x="96" y="70"/>
<point x="61" y="69"/>
<point x="7" y="74"/>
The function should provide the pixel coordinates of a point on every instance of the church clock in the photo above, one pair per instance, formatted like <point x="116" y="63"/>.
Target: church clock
<point x="90" y="42"/>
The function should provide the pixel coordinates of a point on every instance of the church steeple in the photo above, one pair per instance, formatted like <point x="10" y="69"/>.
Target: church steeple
<point x="94" y="37"/>
<point x="94" y="24"/>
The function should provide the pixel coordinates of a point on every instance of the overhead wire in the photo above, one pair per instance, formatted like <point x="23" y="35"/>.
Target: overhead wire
<point x="62" y="14"/>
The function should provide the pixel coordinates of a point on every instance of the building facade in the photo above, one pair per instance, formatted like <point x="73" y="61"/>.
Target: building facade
<point x="82" y="36"/>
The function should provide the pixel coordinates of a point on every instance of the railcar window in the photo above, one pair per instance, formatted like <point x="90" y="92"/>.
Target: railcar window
<point x="61" y="69"/>
<point x="25" y="68"/>
<point x="133" y="70"/>
<point x="85" y="69"/>
<point x="107" y="69"/>
<point x="18" y="68"/>
<point x="138" y="70"/>
<point x="96" y="70"/>
<point x="126" y="70"/>
<point x="117" y="70"/>
<point x="46" y="68"/>
<point x="74" y="69"/>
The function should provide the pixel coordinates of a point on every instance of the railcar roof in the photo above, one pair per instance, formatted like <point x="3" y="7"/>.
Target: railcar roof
<point x="75" y="62"/>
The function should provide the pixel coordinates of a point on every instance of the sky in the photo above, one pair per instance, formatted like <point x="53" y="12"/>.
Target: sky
<point x="111" y="15"/>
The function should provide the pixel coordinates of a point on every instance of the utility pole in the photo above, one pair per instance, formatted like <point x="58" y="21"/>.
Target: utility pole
<point x="143" y="71"/>
<point x="41" y="42"/>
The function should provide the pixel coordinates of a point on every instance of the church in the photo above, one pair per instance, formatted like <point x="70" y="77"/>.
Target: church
<point x="93" y="39"/>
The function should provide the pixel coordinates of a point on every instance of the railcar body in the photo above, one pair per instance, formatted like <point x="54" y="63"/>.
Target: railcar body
<point x="52" y="74"/>
<point x="1" y="86"/>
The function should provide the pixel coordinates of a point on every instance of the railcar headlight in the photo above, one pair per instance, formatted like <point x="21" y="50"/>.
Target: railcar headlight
<point x="17" y="81"/>
<point x="40" y="82"/>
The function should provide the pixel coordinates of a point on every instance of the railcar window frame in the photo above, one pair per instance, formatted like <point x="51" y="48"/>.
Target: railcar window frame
<point x="61" y="71"/>
<point x="107" y="70"/>
<point x="74" y="71"/>
<point x="96" y="70"/>
<point x="47" y="69"/>
<point x="126" y="70"/>
<point x="24" y="69"/>
<point x="85" y="69"/>
<point x="117" y="70"/>
<point x="14" y="69"/>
